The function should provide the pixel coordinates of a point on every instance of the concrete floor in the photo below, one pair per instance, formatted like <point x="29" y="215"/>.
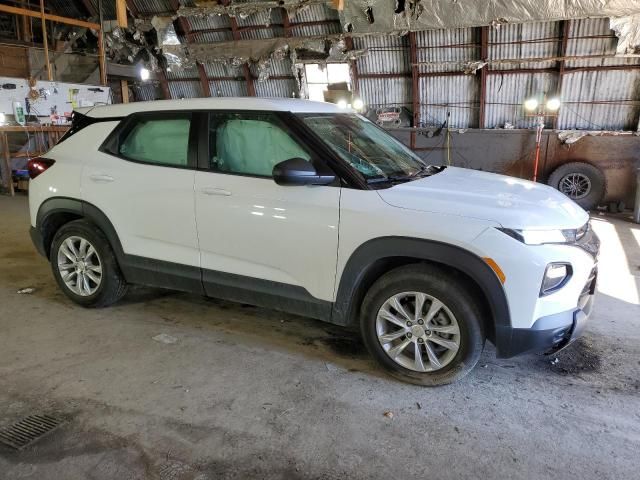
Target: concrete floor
<point x="251" y="393"/>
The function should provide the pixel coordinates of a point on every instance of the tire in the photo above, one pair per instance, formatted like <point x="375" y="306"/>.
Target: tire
<point x="97" y="261"/>
<point x="441" y="286"/>
<point x="589" y="181"/>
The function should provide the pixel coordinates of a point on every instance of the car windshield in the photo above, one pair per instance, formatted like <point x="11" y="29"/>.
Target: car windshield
<point x="365" y="146"/>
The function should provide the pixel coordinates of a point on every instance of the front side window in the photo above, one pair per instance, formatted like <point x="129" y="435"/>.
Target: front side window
<point x="250" y="143"/>
<point x="162" y="141"/>
<point x="367" y="148"/>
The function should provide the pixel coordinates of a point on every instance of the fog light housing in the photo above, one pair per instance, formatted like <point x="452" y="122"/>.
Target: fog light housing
<point x="556" y="275"/>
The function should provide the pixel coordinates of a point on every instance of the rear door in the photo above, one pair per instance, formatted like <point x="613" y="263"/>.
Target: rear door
<point x="275" y="240"/>
<point x="142" y="179"/>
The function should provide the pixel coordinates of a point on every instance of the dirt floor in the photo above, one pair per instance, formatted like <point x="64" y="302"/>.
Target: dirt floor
<point x="173" y="386"/>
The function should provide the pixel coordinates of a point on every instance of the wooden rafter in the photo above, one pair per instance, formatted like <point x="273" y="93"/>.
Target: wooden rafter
<point x="88" y="6"/>
<point x="48" y="16"/>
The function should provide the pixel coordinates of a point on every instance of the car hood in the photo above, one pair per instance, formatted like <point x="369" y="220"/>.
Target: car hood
<point x="509" y="201"/>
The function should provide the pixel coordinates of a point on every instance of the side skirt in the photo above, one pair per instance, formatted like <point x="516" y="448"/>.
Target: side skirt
<point x="226" y="286"/>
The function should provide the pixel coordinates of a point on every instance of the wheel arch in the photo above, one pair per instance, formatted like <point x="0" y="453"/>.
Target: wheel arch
<point x="378" y="256"/>
<point x="56" y="212"/>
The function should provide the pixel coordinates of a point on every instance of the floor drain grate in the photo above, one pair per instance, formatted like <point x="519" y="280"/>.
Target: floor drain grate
<point x="28" y="430"/>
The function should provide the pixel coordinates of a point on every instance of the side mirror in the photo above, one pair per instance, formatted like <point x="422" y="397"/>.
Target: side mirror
<point x="298" y="171"/>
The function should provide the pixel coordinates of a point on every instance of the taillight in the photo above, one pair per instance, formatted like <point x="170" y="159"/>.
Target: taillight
<point x="38" y="165"/>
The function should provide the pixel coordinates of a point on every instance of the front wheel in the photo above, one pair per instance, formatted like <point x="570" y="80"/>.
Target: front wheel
<point x="420" y="323"/>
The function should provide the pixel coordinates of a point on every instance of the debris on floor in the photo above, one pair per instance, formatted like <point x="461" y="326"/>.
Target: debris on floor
<point x="26" y="291"/>
<point x="419" y="405"/>
<point x="580" y="357"/>
<point x="388" y="414"/>
<point x="165" y="338"/>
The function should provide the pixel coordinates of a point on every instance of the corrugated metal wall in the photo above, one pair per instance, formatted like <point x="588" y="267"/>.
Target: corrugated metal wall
<point x="593" y="97"/>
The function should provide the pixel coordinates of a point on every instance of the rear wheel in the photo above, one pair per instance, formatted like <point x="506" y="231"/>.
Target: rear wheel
<point x="581" y="182"/>
<point x="420" y="323"/>
<point x="84" y="265"/>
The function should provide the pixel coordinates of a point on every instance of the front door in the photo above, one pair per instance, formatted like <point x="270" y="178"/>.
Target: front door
<point x="278" y="241"/>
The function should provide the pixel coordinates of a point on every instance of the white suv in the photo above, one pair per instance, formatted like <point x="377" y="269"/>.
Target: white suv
<point x="310" y="209"/>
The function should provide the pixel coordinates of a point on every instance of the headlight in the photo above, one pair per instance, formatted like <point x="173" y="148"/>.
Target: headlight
<point x="540" y="237"/>
<point x="555" y="277"/>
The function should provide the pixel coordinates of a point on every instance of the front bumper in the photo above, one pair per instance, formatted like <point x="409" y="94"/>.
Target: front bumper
<point x="551" y="333"/>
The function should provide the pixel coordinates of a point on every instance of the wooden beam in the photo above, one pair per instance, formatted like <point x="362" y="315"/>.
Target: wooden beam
<point x="102" y="61"/>
<point x="562" y="52"/>
<point x="26" y="35"/>
<point x="251" y="89"/>
<point x="204" y="81"/>
<point x="48" y="16"/>
<point x="354" y="68"/>
<point x="124" y="89"/>
<point x="164" y="85"/>
<point x="484" y="55"/>
<point x="88" y="6"/>
<point x="121" y="13"/>
<point x="6" y="158"/>
<point x="123" y="22"/>
<point x="415" y="86"/>
<point x="286" y="23"/>
<point x="132" y="8"/>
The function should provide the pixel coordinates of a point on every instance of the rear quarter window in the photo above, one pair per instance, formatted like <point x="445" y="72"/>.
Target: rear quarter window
<point x="158" y="139"/>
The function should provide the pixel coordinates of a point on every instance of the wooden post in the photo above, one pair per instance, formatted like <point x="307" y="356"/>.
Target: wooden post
<point x="121" y="15"/>
<point x="562" y="52"/>
<point x="6" y="157"/>
<point x="124" y="88"/>
<point x="25" y="26"/>
<point x="102" y="61"/>
<point x="164" y="84"/>
<point x="45" y="42"/>
<point x="204" y="81"/>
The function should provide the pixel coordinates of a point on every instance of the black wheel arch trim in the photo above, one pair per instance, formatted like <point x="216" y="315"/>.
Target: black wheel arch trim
<point x="84" y="209"/>
<point x="365" y="258"/>
<point x="344" y="310"/>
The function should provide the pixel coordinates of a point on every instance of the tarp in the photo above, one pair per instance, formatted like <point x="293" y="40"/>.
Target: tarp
<point x="380" y="16"/>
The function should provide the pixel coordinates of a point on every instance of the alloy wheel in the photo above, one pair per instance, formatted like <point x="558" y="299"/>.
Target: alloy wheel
<point x="79" y="266"/>
<point x="575" y="185"/>
<point x="418" y="331"/>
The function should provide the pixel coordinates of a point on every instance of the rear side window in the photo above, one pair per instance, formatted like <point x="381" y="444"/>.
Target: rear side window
<point x="162" y="141"/>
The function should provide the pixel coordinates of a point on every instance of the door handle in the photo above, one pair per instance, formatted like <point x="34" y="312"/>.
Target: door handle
<point x="101" y="178"/>
<point x="216" y="191"/>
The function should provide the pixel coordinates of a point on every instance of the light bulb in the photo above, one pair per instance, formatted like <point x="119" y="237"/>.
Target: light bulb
<point x="144" y="74"/>
<point x="553" y="104"/>
<point x="531" y="104"/>
<point x="358" y="104"/>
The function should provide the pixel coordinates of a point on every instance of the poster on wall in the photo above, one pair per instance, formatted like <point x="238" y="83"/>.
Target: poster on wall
<point x="50" y="102"/>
